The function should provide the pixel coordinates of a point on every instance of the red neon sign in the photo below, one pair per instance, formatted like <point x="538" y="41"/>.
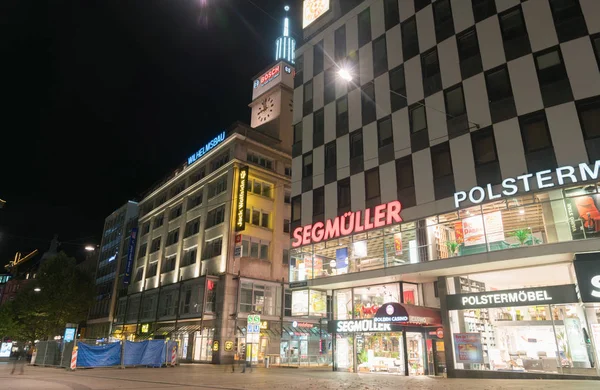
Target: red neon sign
<point x="265" y="78"/>
<point x="351" y="222"/>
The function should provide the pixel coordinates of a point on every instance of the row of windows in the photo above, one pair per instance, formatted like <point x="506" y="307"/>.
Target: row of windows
<point x="537" y="144"/>
<point x="568" y="21"/>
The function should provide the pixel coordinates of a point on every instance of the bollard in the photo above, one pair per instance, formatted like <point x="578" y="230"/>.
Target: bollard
<point x="173" y="357"/>
<point x="74" y="358"/>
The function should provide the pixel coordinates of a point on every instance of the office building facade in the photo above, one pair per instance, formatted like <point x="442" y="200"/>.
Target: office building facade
<point x="444" y="190"/>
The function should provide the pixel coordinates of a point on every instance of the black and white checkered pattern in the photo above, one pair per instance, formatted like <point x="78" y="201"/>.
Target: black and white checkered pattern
<point x="570" y="146"/>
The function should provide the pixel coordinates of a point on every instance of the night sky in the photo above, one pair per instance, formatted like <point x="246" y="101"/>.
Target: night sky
<point x="101" y="99"/>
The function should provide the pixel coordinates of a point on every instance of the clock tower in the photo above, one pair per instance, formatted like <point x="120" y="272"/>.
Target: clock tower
<point x="273" y="91"/>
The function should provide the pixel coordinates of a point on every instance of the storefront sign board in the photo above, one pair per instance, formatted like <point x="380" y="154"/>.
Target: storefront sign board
<point x="228" y="346"/>
<point x="467" y="348"/>
<point x="543" y="179"/>
<point x="587" y="270"/>
<point x="550" y="295"/>
<point x="240" y="207"/>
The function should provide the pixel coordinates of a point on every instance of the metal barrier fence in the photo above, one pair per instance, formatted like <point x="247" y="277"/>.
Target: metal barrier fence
<point x="58" y="353"/>
<point x="300" y="361"/>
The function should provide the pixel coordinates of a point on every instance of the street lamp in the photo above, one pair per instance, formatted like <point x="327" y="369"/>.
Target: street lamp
<point x="90" y="248"/>
<point x="344" y="74"/>
<point x="37" y="289"/>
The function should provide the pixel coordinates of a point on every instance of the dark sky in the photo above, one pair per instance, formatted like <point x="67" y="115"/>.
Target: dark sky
<point x="101" y="99"/>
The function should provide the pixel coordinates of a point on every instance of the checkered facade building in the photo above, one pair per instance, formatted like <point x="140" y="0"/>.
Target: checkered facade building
<point x="445" y="95"/>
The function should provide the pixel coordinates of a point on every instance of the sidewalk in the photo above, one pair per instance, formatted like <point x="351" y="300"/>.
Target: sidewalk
<point x="220" y="377"/>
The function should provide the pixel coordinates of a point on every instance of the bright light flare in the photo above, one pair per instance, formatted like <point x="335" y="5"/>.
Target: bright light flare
<point x="37" y="289"/>
<point x="90" y="248"/>
<point x="344" y="74"/>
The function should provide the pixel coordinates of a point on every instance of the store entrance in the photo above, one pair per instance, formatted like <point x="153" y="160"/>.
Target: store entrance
<point x="415" y="348"/>
<point x="380" y="352"/>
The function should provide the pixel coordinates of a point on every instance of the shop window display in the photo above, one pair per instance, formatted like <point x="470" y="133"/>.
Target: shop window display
<point x="367" y="300"/>
<point x="546" y="217"/>
<point x="527" y="332"/>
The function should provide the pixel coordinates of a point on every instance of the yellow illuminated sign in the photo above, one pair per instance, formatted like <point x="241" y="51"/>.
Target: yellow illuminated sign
<point x="264" y="325"/>
<point x="145" y="328"/>
<point x="240" y="211"/>
<point x="312" y="10"/>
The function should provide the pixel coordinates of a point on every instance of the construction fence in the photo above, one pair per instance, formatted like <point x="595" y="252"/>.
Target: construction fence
<point x="91" y="353"/>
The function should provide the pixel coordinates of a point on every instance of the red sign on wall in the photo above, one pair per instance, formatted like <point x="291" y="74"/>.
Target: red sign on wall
<point x="268" y="76"/>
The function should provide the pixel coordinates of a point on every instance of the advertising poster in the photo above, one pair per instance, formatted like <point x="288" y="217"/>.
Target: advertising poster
<point x="467" y="348"/>
<point x="317" y="303"/>
<point x="312" y="10"/>
<point x="341" y="260"/>
<point x="398" y="244"/>
<point x="583" y="215"/>
<point x="5" y="349"/>
<point x="494" y="229"/>
<point x="473" y="233"/>
<point x="300" y="303"/>
<point x="576" y="341"/>
<point x="458" y="232"/>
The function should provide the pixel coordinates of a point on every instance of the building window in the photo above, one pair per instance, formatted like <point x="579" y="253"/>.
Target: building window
<point x="410" y="41"/>
<point x="288" y="171"/>
<point x="420" y="4"/>
<point x="318" y="58"/>
<point x="554" y="81"/>
<point x="589" y="117"/>
<point x="299" y="78"/>
<point x="390" y="13"/>
<point x="217" y="187"/>
<point x="307" y="165"/>
<point x="456" y="111"/>
<point x="215" y="216"/>
<point x="368" y="107"/>
<point x="186" y="301"/>
<point x="192" y="227"/>
<point x="176" y="212"/>
<point x="286" y="257"/>
<point x="397" y="88"/>
<point x="264" y="220"/>
<point x="356" y="144"/>
<point x="308" y="98"/>
<point x="364" y="27"/>
<point x="173" y="237"/>
<point x="340" y="43"/>
<point x="341" y="113"/>
<point x="318" y="128"/>
<point x="145" y="228"/>
<point x="155" y="246"/>
<point x="296" y="208"/>
<point x="189" y="257"/>
<point x="260" y="160"/>
<point x="152" y="269"/>
<point x="596" y="46"/>
<point x="329" y="78"/>
<point x="287" y="197"/>
<point x="258" y="217"/>
<point x="261" y="188"/>
<point x="198" y="175"/>
<point x="162" y="199"/>
<point x="219" y="161"/>
<point x="158" y="221"/>
<point x="298" y="132"/>
<point x="142" y="251"/>
<point x="502" y="104"/>
<point x="405" y="181"/>
<point x="418" y="118"/>
<point x="487" y="167"/>
<point x="194" y="200"/>
<point x="139" y="274"/>
<point x="372" y="188"/>
<point x="443" y="177"/>
<point x="288" y="303"/>
<point x="177" y="189"/>
<point x="260" y="298"/>
<point x="319" y="202"/>
<point x="568" y="19"/>
<point x="514" y="34"/>
<point x="286" y="225"/>
<point x="442" y="16"/>
<point x="537" y="143"/>
<point x="343" y="194"/>
<point x="384" y="132"/>
<point x="468" y="53"/>
<point x="432" y="79"/>
<point x="380" y="63"/>
<point x="213" y="248"/>
<point x="168" y="264"/>
<point x="483" y="9"/>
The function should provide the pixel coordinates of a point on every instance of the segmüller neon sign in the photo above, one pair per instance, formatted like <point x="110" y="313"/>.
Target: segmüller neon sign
<point x="348" y="223"/>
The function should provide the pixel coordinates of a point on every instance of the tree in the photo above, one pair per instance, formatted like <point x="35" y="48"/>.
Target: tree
<point x="64" y="295"/>
<point x="8" y="325"/>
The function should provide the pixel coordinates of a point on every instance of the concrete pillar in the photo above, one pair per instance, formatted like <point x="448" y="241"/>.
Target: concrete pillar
<point x="443" y="292"/>
<point x="225" y="329"/>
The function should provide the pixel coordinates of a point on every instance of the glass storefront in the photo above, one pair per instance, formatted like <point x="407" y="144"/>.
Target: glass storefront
<point x="546" y="217"/>
<point x="525" y="320"/>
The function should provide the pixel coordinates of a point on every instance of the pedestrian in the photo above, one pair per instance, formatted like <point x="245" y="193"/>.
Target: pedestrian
<point x="19" y="360"/>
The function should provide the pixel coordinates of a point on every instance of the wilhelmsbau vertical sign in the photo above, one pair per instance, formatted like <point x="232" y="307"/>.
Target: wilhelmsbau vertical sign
<point x="240" y="206"/>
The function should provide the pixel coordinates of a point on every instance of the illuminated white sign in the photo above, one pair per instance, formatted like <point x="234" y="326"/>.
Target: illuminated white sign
<point x="312" y="10"/>
<point x="515" y="297"/>
<point x="564" y="175"/>
<point x="206" y="148"/>
<point x="362" y="326"/>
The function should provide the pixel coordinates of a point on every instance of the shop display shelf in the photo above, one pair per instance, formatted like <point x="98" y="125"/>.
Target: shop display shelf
<point x="529" y="323"/>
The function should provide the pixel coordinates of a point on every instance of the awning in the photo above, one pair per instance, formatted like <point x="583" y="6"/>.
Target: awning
<point x="164" y="329"/>
<point x="188" y="328"/>
<point x="394" y="312"/>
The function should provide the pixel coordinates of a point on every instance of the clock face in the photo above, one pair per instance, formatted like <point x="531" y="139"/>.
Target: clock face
<point x="265" y="109"/>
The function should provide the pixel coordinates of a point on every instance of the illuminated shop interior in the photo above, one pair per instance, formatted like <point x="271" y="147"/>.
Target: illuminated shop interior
<point x="510" y="223"/>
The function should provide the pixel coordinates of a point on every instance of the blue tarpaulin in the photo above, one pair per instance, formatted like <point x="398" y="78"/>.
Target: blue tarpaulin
<point x="154" y="353"/>
<point x="98" y="356"/>
<point x="133" y="352"/>
<point x="148" y="352"/>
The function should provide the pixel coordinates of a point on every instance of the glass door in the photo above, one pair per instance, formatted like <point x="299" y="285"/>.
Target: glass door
<point x="415" y="345"/>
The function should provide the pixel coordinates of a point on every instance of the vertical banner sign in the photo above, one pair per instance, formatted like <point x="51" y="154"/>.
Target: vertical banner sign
<point x="398" y="244"/>
<point x="252" y="338"/>
<point x="240" y="207"/>
<point x="130" y="256"/>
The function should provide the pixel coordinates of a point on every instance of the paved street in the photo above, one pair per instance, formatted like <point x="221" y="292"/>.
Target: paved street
<point x="215" y="377"/>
